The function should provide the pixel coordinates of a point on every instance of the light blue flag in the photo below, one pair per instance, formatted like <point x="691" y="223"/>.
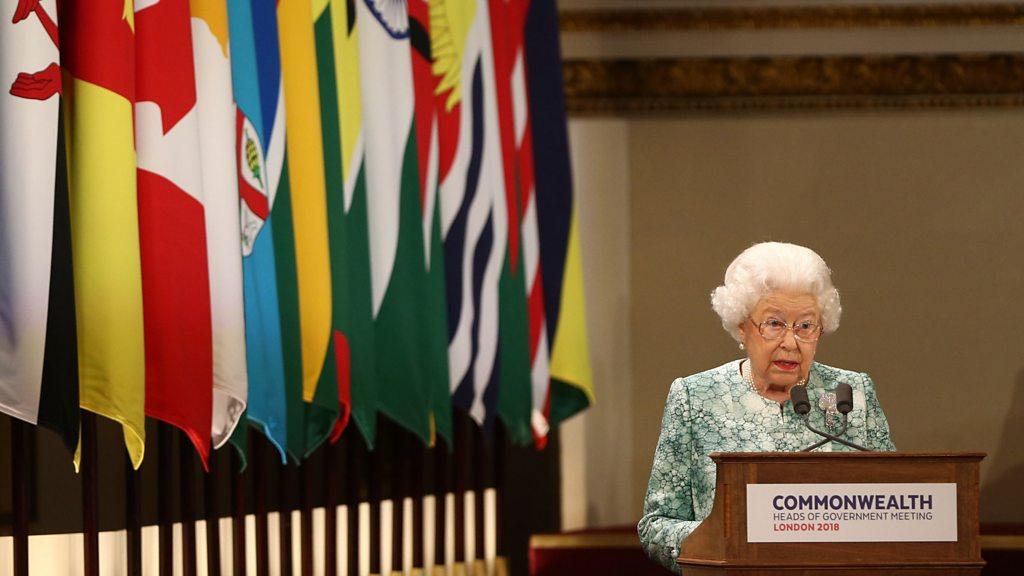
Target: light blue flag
<point x="256" y="78"/>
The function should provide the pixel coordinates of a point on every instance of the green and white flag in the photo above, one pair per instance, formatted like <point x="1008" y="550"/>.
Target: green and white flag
<point x="402" y="298"/>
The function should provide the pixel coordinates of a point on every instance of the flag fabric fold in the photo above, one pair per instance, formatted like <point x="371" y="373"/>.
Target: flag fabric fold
<point x="38" y="360"/>
<point x="433" y="319"/>
<point x="571" y="387"/>
<point x="288" y="296"/>
<point x="272" y="96"/>
<point x="216" y="109"/>
<point x="172" y="224"/>
<point x="59" y="397"/>
<point x="309" y="216"/>
<point x="99" y="87"/>
<point x="350" y="362"/>
<point x="406" y="362"/>
<point x="474" y="216"/>
<point x="260" y="159"/>
<point x="515" y="393"/>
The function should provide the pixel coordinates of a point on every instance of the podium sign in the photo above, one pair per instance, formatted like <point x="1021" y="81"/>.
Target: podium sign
<point x="895" y="512"/>
<point x="839" y="514"/>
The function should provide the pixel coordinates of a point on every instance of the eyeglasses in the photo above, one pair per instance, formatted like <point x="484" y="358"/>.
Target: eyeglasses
<point x="773" y="329"/>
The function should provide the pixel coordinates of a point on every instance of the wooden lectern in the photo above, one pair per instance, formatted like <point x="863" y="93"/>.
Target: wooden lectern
<point x="719" y="545"/>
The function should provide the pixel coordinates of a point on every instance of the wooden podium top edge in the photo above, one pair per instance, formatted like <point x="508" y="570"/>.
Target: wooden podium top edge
<point x="749" y="456"/>
<point x="882" y="567"/>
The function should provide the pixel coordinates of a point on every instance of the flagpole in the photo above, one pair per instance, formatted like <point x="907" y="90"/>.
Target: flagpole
<point x="500" y="452"/>
<point x="442" y="481"/>
<point x="461" y="466"/>
<point x="19" y="495"/>
<point x="238" y="483"/>
<point x="212" y="517"/>
<point x="375" y="478"/>
<point x="332" y="487"/>
<point x="356" y="469"/>
<point x="90" y="495"/>
<point x="480" y="479"/>
<point x="133" y="518"/>
<point x="284" y="516"/>
<point x="258" y="448"/>
<point x="420" y="471"/>
<point x="399" y="461"/>
<point x="165" y="498"/>
<point x="306" y="518"/>
<point x="186" y="457"/>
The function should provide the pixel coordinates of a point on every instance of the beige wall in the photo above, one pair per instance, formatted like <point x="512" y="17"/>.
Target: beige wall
<point x="919" y="213"/>
<point x="597" y="479"/>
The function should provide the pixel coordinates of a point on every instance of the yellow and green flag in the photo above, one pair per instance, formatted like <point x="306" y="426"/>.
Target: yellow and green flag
<point x="309" y="216"/>
<point x="351" y="361"/>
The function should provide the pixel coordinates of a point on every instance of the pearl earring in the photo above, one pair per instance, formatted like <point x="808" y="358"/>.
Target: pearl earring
<point x="742" y="347"/>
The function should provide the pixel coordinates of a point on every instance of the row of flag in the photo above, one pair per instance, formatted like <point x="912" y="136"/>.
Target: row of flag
<point x="291" y="214"/>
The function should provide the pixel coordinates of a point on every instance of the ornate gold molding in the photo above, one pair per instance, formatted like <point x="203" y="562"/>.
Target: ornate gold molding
<point x="811" y="82"/>
<point x="889" y="16"/>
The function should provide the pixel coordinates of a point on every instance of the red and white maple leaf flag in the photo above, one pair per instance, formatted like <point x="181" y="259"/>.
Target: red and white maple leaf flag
<point x="172" y="229"/>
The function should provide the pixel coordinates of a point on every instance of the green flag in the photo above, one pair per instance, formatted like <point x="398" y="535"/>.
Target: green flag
<point x="401" y="228"/>
<point x="351" y="363"/>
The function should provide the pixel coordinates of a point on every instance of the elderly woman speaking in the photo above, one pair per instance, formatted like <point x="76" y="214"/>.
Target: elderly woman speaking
<point x="777" y="302"/>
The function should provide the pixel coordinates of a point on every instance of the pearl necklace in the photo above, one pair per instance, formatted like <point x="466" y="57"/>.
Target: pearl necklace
<point x="748" y="376"/>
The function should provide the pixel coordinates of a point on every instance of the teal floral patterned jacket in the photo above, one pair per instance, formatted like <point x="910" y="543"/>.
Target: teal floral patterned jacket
<point x="716" y="411"/>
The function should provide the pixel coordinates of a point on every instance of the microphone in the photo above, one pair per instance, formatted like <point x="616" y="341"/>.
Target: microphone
<point x="844" y="398"/>
<point x="844" y="403"/>
<point x="798" y="395"/>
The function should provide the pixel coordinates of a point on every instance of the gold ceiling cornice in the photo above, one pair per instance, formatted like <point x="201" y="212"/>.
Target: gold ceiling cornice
<point x="792" y="17"/>
<point x="807" y="82"/>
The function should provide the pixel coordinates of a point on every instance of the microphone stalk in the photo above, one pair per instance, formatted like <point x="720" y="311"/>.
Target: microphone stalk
<point x="827" y="437"/>
<point x="844" y="402"/>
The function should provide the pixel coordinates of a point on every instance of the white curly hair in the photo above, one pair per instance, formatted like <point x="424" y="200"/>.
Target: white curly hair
<point x="770" y="266"/>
